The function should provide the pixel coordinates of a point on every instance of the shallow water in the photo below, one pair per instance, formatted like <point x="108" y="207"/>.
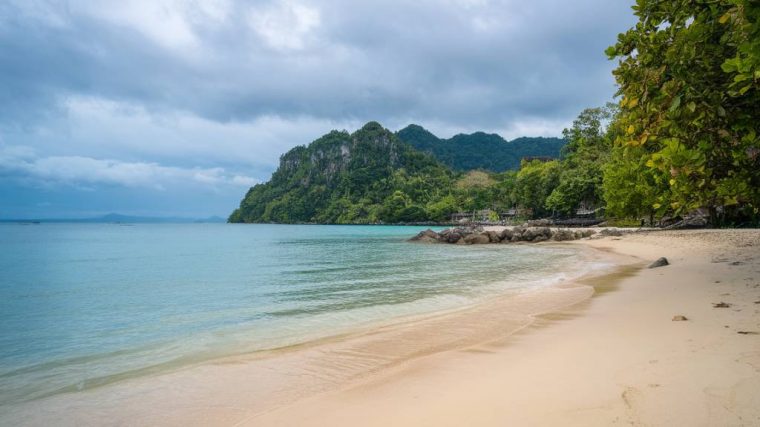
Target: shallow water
<point x="83" y="305"/>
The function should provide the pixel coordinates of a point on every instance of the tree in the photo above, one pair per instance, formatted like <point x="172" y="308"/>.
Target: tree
<point x="535" y="181"/>
<point x="688" y="77"/>
<point x="588" y="147"/>
<point x="441" y="210"/>
<point x="630" y="188"/>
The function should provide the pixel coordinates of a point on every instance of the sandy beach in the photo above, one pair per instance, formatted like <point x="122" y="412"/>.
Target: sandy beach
<point x="598" y="351"/>
<point x="617" y="358"/>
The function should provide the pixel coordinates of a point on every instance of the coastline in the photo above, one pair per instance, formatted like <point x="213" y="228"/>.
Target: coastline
<point x="555" y="356"/>
<point x="618" y="358"/>
<point x="287" y="375"/>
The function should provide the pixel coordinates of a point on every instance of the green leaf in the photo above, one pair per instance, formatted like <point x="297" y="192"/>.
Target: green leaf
<point x="741" y="77"/>
<point x="691" y="106"/>
<point x="676" y="103"/>
<point x="730" y="65"/>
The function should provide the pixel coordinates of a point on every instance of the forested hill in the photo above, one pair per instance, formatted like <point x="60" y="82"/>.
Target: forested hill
<point x="480" y="150"/>
<point x="366" y="177"/>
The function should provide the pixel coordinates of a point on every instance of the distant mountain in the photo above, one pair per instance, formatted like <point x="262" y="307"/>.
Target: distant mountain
<point x="368" y="176"/>
<point x="114" y="218"/>
<point x="480" y="150"/>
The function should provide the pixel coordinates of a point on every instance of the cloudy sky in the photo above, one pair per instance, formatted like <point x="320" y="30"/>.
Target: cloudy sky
<point x="176" y="107"/>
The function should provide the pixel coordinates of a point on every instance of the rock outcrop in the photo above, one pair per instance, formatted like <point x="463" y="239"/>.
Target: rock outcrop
<point x="427" y="236"/>
<point x="479" y="236"/>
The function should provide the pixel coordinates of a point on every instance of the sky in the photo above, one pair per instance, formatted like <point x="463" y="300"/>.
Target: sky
<point x="177" y="107"/>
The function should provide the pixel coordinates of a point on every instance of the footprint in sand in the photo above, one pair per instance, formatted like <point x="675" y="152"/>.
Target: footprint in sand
<point x="632" y="398"/>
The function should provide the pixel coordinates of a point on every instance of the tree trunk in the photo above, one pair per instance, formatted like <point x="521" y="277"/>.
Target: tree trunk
<point x="714" y="220"/>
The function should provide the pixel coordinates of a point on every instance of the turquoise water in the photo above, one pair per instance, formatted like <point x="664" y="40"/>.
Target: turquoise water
<point x="82" y="305"/>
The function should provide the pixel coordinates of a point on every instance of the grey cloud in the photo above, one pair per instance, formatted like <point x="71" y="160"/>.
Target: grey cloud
<point x="23" y="163"/>
<point x="487" y="62"/>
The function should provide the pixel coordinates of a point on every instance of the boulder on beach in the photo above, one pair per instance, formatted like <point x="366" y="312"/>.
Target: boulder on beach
<point x="493" y="236"/>
<point x="479" y="236"/>
<point x="517" y="234"/>
<point x="506" y="235"/>
<point x="562" y="235"/>
<point x="476" y="239"/>
<point x="661" y="262"/>
<point x="453" y="237"/>
<point x="529" y="234"/>
<point x="426" y="236"/>
<point x="611" y="232"/>
<point x="536" y="233"/>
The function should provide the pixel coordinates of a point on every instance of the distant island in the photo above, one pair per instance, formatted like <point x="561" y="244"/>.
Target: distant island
<point x="119" y="218"/>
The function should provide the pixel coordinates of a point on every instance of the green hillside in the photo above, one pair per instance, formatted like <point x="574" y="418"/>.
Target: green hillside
<point x="480" y="150"/>
<point x="369" y="176"/>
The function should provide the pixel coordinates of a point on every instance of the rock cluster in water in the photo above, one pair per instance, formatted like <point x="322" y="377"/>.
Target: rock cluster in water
<point x="478" y="236"/>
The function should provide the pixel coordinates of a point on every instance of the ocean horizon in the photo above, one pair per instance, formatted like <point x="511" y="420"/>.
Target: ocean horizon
<point x="85" y="305"/>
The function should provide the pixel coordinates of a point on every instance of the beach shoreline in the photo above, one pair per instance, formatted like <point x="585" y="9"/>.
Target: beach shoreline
<point x="486" y="364"/>
<point x="618" y="358"/>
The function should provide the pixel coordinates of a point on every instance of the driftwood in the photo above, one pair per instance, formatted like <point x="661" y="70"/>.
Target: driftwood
<point x="694" y="222"/>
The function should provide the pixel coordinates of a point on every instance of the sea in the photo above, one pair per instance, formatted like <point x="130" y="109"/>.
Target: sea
<point x="86" y="305"/>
